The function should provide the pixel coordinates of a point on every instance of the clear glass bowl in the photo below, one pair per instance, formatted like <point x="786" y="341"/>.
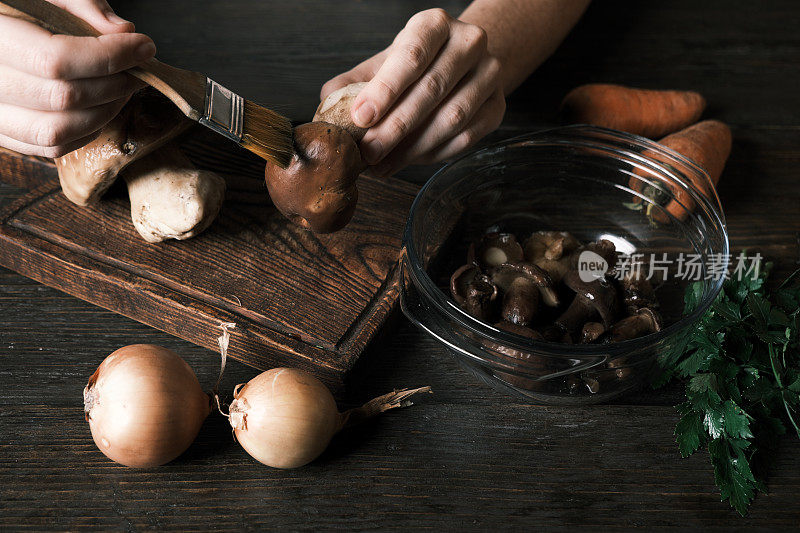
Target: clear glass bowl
<point x="594" y="183"/>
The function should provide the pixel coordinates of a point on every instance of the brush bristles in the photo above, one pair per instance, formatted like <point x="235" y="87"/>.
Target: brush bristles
<point x="267" y="134"/>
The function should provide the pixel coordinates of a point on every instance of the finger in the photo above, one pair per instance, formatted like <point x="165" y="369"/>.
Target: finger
<point x="451" y="115"/>
<point x="31" y="49"/>
<point x="24" y="90"/>
<point x="411" y="53"/>
<point x="453" y="62"/>
<point x="97" y="13"/>
<point x="364" y="71"/>
<point x="46" y="151"/>
<point x="486" y="120"/>
<point x="55" y="128"/>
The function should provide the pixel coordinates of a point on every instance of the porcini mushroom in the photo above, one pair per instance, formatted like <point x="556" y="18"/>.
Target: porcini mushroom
<point x="522" y="285"/>
<point x="147" y="122"/>
<point x="494" y="249"/>
<point x="473" y="291"/>
<point x="170" y="198"/>
<point x="551" y="251"/>
<point x="644" y="322"/>
<point x="318" y="189"/>
<point x="593" y="299"/>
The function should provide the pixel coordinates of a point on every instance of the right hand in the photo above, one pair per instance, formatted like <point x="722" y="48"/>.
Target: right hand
<point x="58" y="91"/>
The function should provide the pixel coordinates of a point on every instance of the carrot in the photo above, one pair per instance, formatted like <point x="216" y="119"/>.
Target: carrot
<point x="645" y="112"/>
<point x="708" y="144"/>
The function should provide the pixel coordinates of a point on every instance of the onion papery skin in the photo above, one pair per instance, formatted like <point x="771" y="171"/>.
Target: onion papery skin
<point x="284" y="417"/>
<point x="144" y="405"/>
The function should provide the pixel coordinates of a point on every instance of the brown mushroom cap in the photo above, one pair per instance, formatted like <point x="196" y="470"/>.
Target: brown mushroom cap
<point x="521" y="301"/>
<point x="505" y="274"/>
<point x="644" y="322"/>
<point x="318" y="189"/>
<point x="551" y="251"/>
<point x="604" y="248"/>
<point x="473" y="291"/>
<point x="494" y="249"/>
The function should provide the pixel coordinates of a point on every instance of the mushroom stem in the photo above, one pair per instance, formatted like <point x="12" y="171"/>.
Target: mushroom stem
<point x="577" y="314"/>
<point x="592" y="298"/>
<point x="521" y="301"/>
<point x="480" y="296"/>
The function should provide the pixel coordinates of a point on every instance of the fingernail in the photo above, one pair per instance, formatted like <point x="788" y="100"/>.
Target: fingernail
<point x="145" y="51"/>
<point x="372" y="151"/>
<point x="115" y="19"/>
<point x="365" y="115"/>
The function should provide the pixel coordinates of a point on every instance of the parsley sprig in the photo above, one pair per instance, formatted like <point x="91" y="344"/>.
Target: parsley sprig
<point x="742" y="366"/>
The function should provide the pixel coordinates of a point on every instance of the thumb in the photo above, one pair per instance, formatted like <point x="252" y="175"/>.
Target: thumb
<point x="97" y="13"/>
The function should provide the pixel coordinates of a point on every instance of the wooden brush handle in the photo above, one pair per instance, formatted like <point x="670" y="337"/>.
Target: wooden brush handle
<point x="185" y="88"/>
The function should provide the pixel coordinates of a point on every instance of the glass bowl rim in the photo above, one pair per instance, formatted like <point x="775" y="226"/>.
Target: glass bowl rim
<point x="446" y="306"/>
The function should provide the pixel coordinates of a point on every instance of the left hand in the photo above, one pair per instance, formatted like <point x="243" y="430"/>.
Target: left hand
<point x="432" y="93"/>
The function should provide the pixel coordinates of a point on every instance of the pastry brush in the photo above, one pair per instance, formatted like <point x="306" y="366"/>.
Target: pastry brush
<point x="258" y="129"/>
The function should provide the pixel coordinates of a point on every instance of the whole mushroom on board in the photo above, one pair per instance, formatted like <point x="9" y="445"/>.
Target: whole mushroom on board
<point x="318" y="191"/>
<point x="147" y="122"/>
<point x="170" y="198"/>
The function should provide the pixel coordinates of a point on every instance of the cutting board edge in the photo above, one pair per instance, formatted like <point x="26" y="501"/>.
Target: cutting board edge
<point x="247" y="343"/>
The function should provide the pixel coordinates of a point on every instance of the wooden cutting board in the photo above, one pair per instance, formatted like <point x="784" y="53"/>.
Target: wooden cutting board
<point x="298" y="299"/>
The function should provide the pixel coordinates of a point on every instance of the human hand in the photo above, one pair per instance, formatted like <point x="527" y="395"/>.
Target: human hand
<point x="432" y="93"/>
<point x="57" y="91"/>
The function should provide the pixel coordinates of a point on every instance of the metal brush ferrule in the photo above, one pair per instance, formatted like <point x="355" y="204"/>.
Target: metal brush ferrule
<point x="224" y="111"/>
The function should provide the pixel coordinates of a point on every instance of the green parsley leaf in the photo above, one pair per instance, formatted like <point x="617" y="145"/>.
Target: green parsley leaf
<point x="742" y="365"/>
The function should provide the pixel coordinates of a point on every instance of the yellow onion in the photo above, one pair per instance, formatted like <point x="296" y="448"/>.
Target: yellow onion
<point x="144" y="405"/>
<point x="285" y="417"/>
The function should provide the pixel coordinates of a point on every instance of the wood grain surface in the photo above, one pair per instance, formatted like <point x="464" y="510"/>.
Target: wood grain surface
<point x="466" y="457"/>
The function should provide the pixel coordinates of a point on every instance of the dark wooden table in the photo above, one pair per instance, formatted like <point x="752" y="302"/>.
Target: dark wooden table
<point x="467" y="457"/>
